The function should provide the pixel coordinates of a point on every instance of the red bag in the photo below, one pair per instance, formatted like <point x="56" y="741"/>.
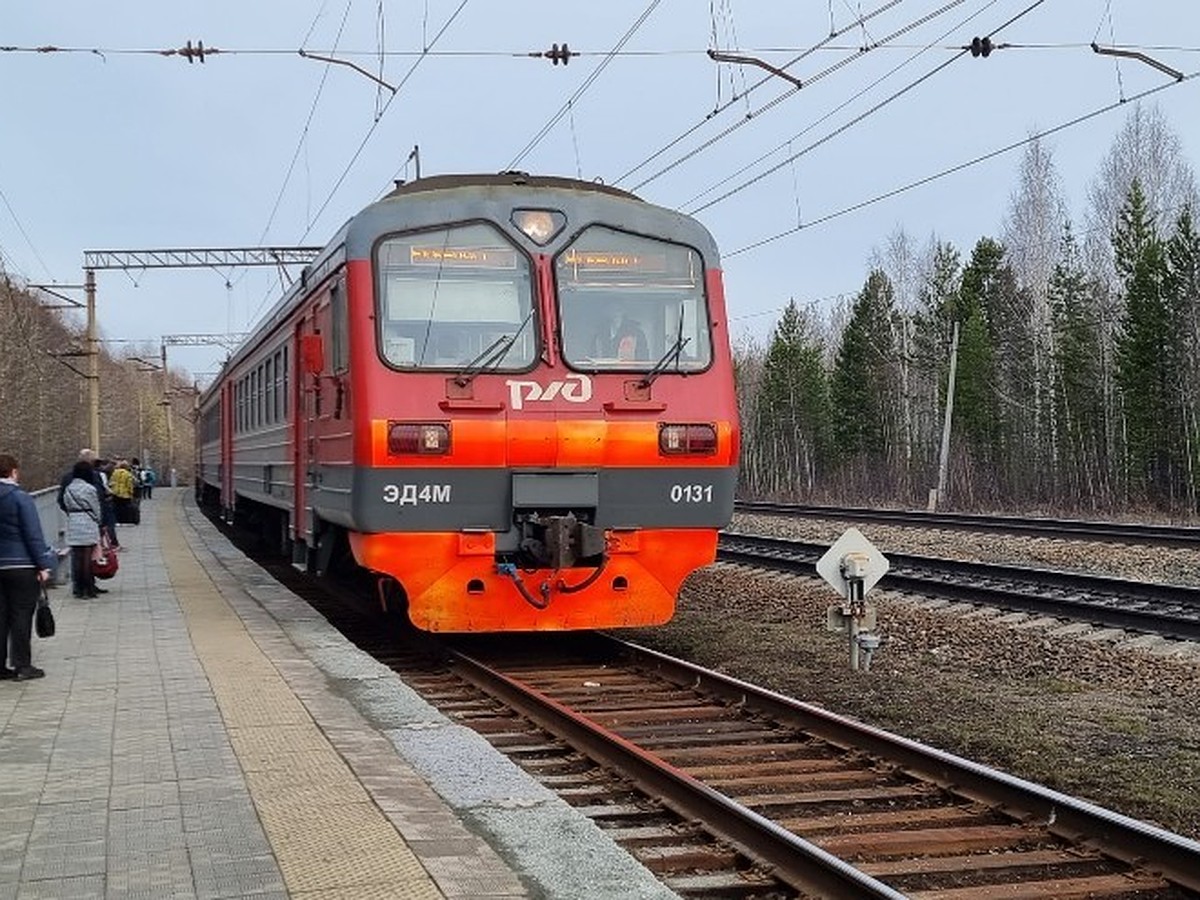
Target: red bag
<point x="105" y="562"/>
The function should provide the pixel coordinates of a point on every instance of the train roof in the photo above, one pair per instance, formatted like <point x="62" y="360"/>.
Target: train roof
<point x="505" y="179"/>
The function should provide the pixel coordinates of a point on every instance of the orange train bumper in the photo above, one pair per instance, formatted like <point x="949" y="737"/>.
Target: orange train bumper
<point x="452" y="583"/>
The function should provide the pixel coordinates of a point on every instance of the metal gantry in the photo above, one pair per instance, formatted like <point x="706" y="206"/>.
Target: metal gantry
<point x="229" y="341"/>
<point x="199" y="258"/>
<point x="170" y="258"/>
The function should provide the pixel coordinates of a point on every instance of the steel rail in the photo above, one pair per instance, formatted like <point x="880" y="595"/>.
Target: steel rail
<point x="795" y="861"/>
<point x="1137" y="843"/>
<point x="1078" y="529"/>
<point x="927" y="575"/>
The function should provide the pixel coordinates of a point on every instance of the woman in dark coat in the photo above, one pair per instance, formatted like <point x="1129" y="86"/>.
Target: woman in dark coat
<point x="82" y="503"/>
<point x="25" y="561"/>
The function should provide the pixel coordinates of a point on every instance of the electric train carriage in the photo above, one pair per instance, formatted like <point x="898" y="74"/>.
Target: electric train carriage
<point x="508" y="398"/>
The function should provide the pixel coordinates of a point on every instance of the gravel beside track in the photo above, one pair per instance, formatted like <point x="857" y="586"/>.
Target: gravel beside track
<point x="1103" y="719"/>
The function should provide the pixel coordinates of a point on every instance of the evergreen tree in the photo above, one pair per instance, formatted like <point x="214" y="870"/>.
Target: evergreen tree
<point x="1182" y="294"/>
<point x="791" y="423"/>
<point x="863" y="382"/>
<point x="976" y="403"/>
<point x="1080" y="461"/>
<point x="1146" y="355"/>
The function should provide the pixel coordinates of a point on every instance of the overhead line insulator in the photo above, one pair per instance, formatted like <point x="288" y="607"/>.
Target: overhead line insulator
<point x="981" y="47"/>
<point x="557" y="53"/>
<point x="190" y="53"/>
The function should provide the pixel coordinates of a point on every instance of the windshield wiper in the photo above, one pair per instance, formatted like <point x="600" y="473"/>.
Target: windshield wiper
<point x="672" y="355"/>
<point x="491" y="356"/>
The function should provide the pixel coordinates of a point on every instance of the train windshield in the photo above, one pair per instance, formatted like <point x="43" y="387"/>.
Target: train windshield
<point x="632" y="303"/>
<point x="447" y="296"/>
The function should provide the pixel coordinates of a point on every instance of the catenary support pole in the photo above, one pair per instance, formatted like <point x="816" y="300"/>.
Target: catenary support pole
<point x="944" y="457"/>
<point x="93" y="349"/>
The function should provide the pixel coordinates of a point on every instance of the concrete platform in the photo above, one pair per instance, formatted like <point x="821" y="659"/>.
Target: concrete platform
<point x="203" y="733"/>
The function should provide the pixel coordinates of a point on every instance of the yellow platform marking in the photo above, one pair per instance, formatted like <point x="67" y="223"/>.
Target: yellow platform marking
<point x="330" y="839"/>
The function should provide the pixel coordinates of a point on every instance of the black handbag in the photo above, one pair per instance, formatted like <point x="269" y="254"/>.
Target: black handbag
<point x="43" y="619"/>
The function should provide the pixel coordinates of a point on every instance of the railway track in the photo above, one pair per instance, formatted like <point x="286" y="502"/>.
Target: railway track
<point x="1079" y="529"/>
<point x="725" y="790"/>
<point x="1164" y="609"/>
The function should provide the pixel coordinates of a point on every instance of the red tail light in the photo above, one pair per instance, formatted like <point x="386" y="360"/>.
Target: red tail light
<point x="425" y="438"/>
<point x="693" y="440"/>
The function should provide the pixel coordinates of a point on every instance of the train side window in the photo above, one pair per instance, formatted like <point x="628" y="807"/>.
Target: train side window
<point x="276" y="387"/>
<point x="340" y="337"/>
<point x="269" y="386"/>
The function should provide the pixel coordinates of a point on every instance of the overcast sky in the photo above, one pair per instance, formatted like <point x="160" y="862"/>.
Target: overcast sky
<point x="134" y="150"/>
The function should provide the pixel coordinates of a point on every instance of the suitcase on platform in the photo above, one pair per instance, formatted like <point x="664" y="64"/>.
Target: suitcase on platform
<point x="129" y="513"/>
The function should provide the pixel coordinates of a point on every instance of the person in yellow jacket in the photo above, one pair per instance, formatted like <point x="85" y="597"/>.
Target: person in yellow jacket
<point x="123" y="485"/>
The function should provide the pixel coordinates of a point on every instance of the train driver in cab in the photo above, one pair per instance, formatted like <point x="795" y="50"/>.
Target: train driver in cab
<point x="621" y="337"/>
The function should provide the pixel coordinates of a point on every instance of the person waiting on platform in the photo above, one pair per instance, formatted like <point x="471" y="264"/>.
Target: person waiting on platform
<point x="25" y="565"/>
<point x="123" y="487"/>
<point x="149" y="476"/>
<point x="81" y="500"/>
<point x="88" y="456"/>
<point x="108" y="520"/>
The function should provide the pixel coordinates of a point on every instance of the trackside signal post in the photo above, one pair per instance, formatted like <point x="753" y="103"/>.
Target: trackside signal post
<point x="852" y="566"/>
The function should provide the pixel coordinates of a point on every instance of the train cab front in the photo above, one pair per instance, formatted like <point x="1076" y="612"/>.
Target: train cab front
<point x="552" y="421"/>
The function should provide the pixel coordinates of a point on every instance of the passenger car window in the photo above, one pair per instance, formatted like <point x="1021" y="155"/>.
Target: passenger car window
<point x="628" y="302"/>
<point x="447" y="296"/>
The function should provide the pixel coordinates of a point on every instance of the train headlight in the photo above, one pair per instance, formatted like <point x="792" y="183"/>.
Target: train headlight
<point x="539" y="225"/>
<point x="424" y="438"/>
<point x="690" y="439"/>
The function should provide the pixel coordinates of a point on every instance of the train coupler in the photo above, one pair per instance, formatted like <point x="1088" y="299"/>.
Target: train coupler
<point x="560" y="541"/>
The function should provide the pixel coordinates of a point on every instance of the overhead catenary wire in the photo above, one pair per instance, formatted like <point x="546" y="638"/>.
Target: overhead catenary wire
<point x="379" y="118"/>
<point x="891" y="98"/>
<point x="300" y="144"/>
<point x="21" y="228"/>
<point x="793" y="156"/>
<point x="569" y="104"/>
<point x="1008" y="248"/>
<point x="371" y="131"/>
<point x="307" y="122"/>
<point x="722" y="107"/>
<point x="920" y="182"/>
<point x="695" y="151"/>
<point x="292" y="52"/>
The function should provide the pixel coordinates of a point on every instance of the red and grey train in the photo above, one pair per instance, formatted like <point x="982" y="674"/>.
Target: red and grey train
<point x="508" y="398"/>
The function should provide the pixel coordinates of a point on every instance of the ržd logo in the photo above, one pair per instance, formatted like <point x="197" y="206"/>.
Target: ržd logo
<point x="573" y="389"/>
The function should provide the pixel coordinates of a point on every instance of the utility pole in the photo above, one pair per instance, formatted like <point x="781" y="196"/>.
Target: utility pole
<point x="166" y="402"/>
<point x="93" y="349"/>
<point x="936" y="495"/>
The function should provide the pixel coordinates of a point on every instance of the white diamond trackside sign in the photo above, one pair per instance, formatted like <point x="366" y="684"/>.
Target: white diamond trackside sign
<point x="852" y="542"/>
